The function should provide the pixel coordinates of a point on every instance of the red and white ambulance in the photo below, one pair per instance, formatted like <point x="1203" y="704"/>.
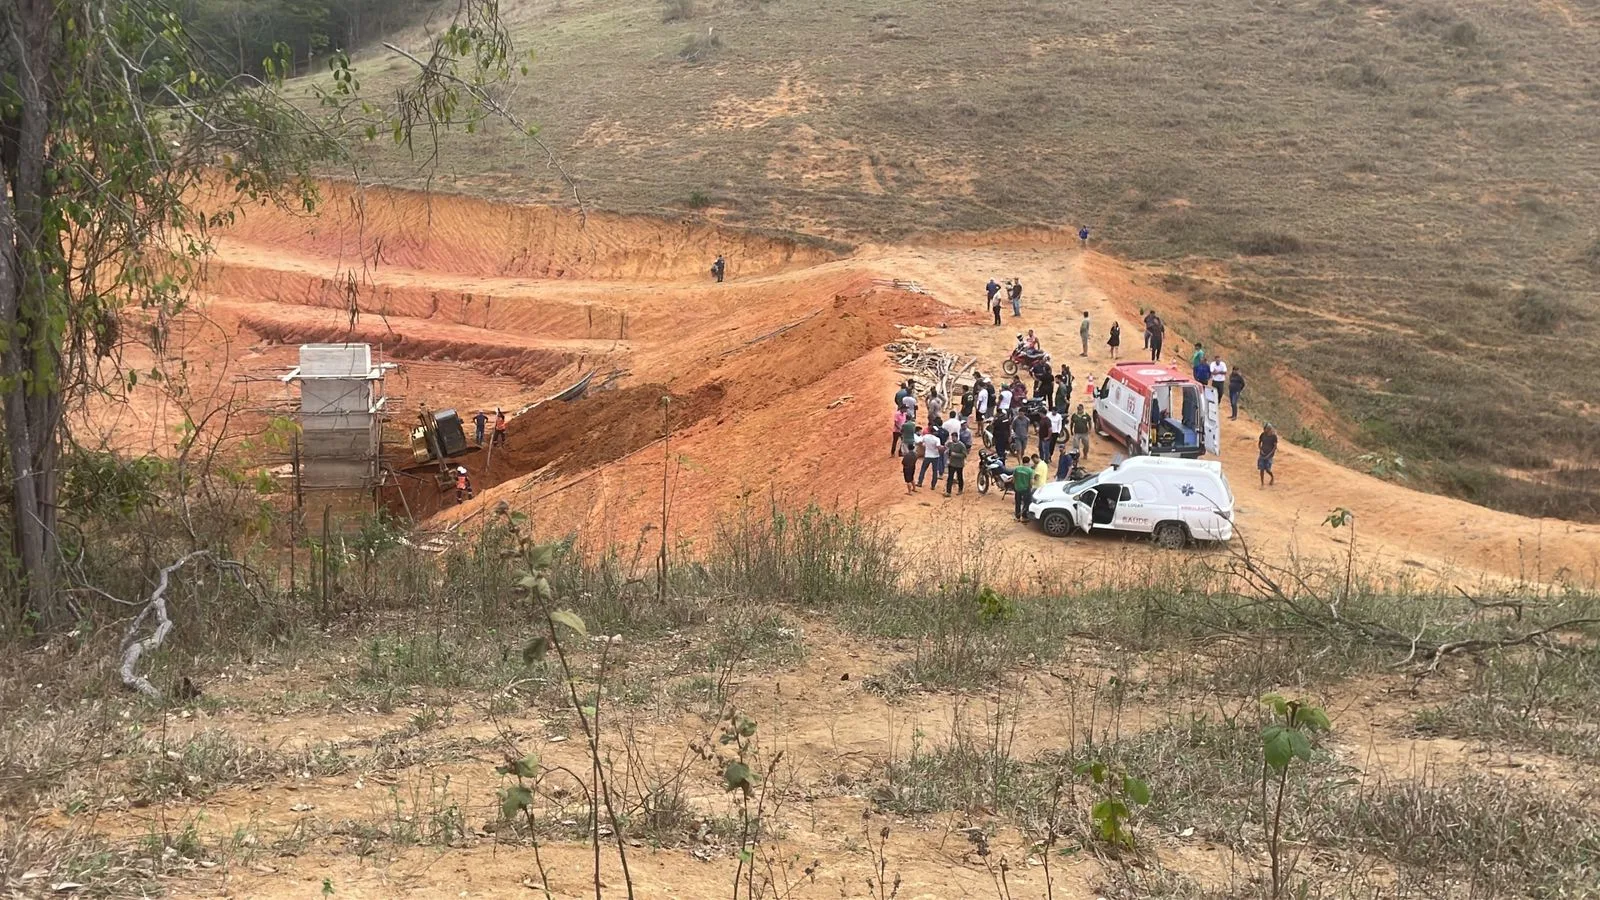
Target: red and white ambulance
<point x="1157" y="409"/>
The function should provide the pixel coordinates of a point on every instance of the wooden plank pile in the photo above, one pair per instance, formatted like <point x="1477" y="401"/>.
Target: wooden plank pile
<point x="930" y="366"/>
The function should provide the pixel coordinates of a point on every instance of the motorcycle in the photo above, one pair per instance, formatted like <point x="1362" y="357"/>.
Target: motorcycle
<point x="1021" y="358"/>
<point x="992" y="470"/>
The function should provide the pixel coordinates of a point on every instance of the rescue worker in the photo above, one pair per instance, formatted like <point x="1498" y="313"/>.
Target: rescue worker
<point x="499" y="426"/>
<point x="463" y="485"/>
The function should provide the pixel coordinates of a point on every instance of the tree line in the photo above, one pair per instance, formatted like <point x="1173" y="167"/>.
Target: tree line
<point x="241" y="34"/>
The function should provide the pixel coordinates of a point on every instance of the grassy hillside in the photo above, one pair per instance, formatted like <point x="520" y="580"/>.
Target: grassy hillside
<point x="1398" y="200"/>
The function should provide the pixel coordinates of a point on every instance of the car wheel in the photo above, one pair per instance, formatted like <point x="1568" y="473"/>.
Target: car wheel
<point x="1056" y="523"/>
<point x="983" y="481"/>
<point x="1171" y="535"/>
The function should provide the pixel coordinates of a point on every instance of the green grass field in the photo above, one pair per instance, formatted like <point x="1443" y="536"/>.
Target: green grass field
<point x="1404" y="197"/>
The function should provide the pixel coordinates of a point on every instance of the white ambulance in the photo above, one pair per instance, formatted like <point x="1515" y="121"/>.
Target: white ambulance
<point x="1157" y="409"/>
<point x="1175" y="501"/>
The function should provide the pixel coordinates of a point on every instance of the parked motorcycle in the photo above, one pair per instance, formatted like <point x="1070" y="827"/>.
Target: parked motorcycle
<point x="992" y="470"/>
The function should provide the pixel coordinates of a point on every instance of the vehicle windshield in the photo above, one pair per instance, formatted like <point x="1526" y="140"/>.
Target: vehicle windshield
<point x="1091" y="481"/>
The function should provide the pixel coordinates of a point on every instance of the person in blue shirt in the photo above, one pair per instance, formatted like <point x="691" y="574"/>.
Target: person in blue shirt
<point x="990" y="290"/>
<point x="1202" y="372"/>
<point x="1083" y="237"/>
<point x="481" y="421"/>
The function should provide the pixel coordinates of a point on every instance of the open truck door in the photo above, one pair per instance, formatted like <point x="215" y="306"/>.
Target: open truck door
<point x="1213" y="422"/>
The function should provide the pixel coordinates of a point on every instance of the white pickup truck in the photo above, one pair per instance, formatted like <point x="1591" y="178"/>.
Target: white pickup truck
<point x="1175" y="501"/>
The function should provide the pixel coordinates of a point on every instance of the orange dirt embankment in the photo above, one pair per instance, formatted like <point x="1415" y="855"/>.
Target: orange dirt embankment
<point x="447" y="233"/>
<point x="770" y="413"/>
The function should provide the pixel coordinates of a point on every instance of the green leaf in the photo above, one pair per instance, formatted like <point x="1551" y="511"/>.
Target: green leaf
<point x="1098" y="772"/>
<point x="1299" y="744"/>
<point x="571" y="620"/>
<point x="535" y="650"/>
<point x="1312" y="718"/>
<point x="1277" y="702"/>
<point x="514" y="800"/>
<point x="542" y="591"/>
<point x="542" y="556"/>
<point x="737" y="777"/>
<point x="526" y="767"/>
<point x="1275" y="746"/>
<point x="1136" y="789"/>
<point x="528" y="581"/>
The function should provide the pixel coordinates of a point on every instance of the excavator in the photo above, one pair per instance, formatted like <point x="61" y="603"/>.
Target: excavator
<point x="438" y="438"/>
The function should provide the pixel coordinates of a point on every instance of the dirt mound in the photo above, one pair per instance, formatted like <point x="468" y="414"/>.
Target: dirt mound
<point x="526" y="365"/>
<point x="385" y="226"/>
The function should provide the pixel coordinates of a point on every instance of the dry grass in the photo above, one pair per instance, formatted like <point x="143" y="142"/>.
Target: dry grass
<point x="1389" y="182"/>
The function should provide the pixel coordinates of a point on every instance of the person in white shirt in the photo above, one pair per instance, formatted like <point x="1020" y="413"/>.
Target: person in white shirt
<point x="1005" y="399"/>
<point x="982" y="400"/>
<point x="1049" y="440"/>
<point x="1219" y="378"/>
<point x="932" y="457"/>
<point x="952" y="427"/>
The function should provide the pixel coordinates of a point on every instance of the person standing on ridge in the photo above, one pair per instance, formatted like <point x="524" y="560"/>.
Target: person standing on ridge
<point x="480" y="423"/>
<point x="1115" y="340"/>
<point x="499" y="426"/>
<point x="1083" y="333"/>
<point x="1235" y="388"/>
<point x="1150" y="320"/>
<point x="1083" y="237"/>
<point x="1219" y="377"/>
<point x="1022" y="486"/>
<point x="719" y="269"/>
<point x="1268" y="445"/>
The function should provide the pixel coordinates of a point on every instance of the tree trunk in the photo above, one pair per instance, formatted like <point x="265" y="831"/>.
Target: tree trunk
<point x="29" y="365"/>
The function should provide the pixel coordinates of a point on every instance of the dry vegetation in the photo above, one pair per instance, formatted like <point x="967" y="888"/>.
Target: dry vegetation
<point x="417" y="721"/>
<point x="1396" y="200"/>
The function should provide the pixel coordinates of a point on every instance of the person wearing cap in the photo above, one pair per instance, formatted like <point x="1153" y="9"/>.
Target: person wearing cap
<point x="463" y="485"/>
<point x="480" y="422"/>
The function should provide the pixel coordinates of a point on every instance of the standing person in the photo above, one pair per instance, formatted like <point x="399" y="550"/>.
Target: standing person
<point x="908" y="461"/>
<point x="1065" y="464"/>
<point x="463" y="485"/>
<point x="969" y="400"/>
<point x="1083" y="237"/>
<point x="1268" y="444"/>
<point x="719" y="268"/>
<point x="1019" y="391"/>
<point x="1050" y="434"/>
<point x="984" y="398"/>
<point x="1005" y="401"/>
<point x="499" y="426"/>
<point x="1043" y="379"/>
<point x="990" y="291"/>
<point x="480" y="422"/>
<point x="951" y="428"/>
<point x="1000" y="435"/>
<point x="1063" y="397"/>
<point x="1115" y="340"/>
<point x="897" y="435"/>
<point x="1022" y="485"/>
<point x="994" y="305"/>
<point x="932" y="456"/>
<point x="935" y="407"/>
<point x="1202" y="373"/>
<point x="1015" y="293"/>
<point x="1147" y="316"/>
<point x="1199" y="354"/>
<point x="909" y="400"/>
<point x="1235" y="388"/>
<point x="1080" y="432"/>
<point x="1083" y="333"/>
<point x="1158" y="334"/>
<point x="955" y="461"/>
<point x="1019" y="433"/>
<point x="1219" y="377"/>
<point x="900" y="395"/>
<point x="908" y="430"/>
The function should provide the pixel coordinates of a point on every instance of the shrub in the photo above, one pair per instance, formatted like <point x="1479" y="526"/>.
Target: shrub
<point x="700" y="46"/>
<point x="1536" y="312"/>
<point x="699" y="200"/>
<point x="679" y="10"/>
<point x="1590" y="257"/>
<point x="1270" y="243"/>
